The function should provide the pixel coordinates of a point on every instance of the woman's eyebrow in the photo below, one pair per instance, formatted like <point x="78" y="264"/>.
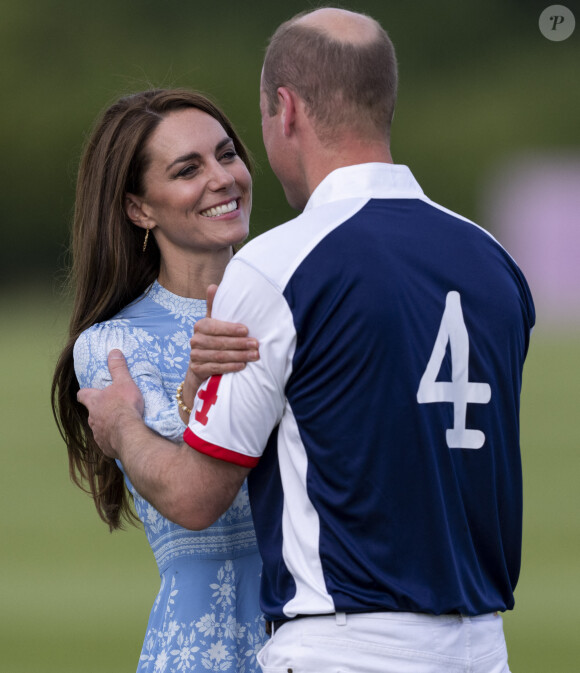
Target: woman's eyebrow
<point x="196" y="155"/>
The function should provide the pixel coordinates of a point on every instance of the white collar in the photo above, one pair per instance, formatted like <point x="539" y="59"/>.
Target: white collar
<point x="372" y="180"/>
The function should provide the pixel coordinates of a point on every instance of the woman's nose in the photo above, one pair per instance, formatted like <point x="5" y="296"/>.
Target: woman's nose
<point x="220" y="177"/>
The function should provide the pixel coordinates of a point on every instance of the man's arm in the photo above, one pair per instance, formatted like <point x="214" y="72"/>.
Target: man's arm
<point x="217" y="347"/>
<point x="187" y="487"/>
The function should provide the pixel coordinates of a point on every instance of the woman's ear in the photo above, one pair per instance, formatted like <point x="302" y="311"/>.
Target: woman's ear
<point x="134" y="211"/>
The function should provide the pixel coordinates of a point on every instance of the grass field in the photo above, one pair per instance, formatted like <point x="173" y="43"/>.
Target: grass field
<point x="75" y="599"/>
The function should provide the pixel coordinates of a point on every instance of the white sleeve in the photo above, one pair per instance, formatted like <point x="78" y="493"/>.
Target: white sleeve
<point x="235" y="414"/>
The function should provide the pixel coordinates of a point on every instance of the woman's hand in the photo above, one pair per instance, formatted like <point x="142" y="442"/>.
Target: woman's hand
<point x="217" y="347"/>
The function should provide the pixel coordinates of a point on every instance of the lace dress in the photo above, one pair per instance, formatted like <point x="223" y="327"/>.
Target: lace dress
<point x="206" y="616"/>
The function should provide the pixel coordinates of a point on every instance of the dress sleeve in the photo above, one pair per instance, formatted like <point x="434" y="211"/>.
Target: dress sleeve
<point x="143" y="353"/>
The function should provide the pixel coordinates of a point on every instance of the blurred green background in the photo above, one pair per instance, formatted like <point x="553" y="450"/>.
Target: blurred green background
<point x="479" y="84"/>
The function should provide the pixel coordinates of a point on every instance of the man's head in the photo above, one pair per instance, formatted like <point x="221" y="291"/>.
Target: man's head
<point x="327" y="98"/>
<point x="342" y="65"/>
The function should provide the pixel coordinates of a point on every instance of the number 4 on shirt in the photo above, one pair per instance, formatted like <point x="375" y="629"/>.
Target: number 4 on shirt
<point x="460" y="391"/>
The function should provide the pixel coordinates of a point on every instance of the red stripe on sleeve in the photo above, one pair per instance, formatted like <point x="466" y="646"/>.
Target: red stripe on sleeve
<point x="217" y="451"/>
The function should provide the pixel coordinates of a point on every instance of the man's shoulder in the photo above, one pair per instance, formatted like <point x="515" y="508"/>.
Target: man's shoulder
<point x="277" y="252"/>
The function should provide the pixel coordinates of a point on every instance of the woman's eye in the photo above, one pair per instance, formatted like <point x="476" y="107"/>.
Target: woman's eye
<point x="187" y="171"/>
<point x="229" y="155"/>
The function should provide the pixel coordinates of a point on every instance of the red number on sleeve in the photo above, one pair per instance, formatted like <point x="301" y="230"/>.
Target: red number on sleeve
<point x="209" y="397"/>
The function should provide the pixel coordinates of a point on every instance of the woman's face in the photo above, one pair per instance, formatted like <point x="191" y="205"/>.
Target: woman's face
<point x="197" y="190"/>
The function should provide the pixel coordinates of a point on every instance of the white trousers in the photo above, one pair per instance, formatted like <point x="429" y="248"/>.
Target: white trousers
<point x="387" y="642"/>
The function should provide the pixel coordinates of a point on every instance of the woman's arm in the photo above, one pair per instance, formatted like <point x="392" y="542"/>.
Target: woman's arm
<point x="185" y="486"/>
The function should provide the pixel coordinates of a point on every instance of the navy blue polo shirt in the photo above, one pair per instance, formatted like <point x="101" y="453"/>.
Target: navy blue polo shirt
<point x="382" y="419"/>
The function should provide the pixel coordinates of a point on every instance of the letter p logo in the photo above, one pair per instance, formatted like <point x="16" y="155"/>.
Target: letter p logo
<point x="557" y="23"/>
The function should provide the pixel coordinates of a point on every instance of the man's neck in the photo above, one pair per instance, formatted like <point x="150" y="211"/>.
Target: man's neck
<point x="318" y="165"/>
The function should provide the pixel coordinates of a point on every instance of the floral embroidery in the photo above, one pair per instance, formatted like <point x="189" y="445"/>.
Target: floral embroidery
<point x="207" y="625"/>
<point x="206" y="615"/>
<point x="217" y="636"/>
<point x="181" y="339"/>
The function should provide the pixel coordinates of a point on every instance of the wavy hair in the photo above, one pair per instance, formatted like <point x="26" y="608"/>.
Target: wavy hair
<point x="109" y="268"/>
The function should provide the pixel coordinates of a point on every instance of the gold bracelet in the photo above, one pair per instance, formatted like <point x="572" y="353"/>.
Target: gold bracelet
<point x="179" y="398"/>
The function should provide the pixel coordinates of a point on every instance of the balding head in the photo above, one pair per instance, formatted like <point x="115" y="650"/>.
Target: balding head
<point x="342" y="64"/>
<point x="341" y="25"/>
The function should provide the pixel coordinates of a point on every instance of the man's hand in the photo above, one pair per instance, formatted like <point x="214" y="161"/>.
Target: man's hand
<point x="219" y="347"/>
<point x="187" y="487"/>
<point x="109" y="408"/>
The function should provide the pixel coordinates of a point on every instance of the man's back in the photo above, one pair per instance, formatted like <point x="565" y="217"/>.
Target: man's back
<point x="402" y="502"/>
<point x="394" y="479"/>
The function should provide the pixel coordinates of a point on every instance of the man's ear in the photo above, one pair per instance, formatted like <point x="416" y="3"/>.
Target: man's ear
<point x="287" y="101"/>
<point x="135" y="212"/>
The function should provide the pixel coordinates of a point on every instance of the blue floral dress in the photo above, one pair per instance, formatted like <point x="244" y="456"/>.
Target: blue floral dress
<point x="206" y="615"/>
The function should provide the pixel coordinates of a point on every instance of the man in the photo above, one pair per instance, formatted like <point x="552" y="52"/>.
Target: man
<point x="380" y="424"/>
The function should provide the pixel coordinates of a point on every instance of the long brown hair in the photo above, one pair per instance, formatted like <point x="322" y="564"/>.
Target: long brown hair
<point x="109" y="268"/>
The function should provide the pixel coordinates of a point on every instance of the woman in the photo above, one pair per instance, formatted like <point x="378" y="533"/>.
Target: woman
<point x="163" y="195"/>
